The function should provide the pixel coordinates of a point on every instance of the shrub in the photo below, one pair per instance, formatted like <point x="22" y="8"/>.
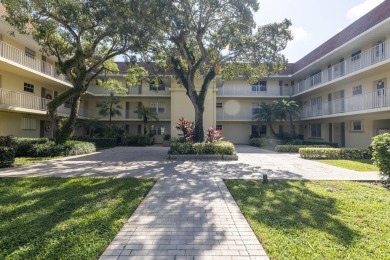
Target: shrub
<point x="334" y="145"/>
<point x="167" y="137"/>
<point x="257" y="142"/>
<point x="290" y="148"/>
<point x="217" y="147"/>
<point x="334" y="153"/>
<point x="381" y="153"/>
<point x="7" y="156"/>
<point x="24" y="146"/>
<point x="100" y="142"/>
<point x="70" y="148"/>
<point x="269" y="141"/>
<point x="7" y="141"/>
<point x="137" y="140"/>
<point x="187" y="129"/>
<point x="214" y="135"/>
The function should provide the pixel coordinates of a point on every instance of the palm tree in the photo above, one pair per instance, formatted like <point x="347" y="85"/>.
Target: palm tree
<point x="89" y="124"/>
<point x="265" y="113"/>
<point x="111" y="108"/>
<point x="287" y="110"/>
<point x="146" y="114"/>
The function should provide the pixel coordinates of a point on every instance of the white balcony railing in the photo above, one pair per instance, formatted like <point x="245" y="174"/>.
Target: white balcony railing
<point x="248" y="91"/>
<point x="360" y="61"/>
<point x="372" y="100"/>
<point x="16" y="55"/>
<point x="243" y="115"/>
<point x="17" y="99"/>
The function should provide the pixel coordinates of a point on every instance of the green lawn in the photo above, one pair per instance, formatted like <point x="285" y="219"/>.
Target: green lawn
<point x="360" y="165"/>
<point x="64" y="218"/>
<point x="317" y="219"/>
<point x="19" y="161"/>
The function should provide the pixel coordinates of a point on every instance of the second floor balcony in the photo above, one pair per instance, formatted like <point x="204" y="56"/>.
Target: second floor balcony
<point x="378" y="99"/>
<point x="253" y="91"/>
<point x="20" y="57"/>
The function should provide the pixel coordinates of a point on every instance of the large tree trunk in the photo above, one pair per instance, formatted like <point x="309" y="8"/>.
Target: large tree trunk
<point x="272" y="129"/>
<point x="198" y="132"/>
<point x="292" y="129"/>
<point x="65" y="132"/>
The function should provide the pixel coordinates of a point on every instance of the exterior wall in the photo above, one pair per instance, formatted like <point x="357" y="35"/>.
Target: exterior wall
<point x="11" y="124"/>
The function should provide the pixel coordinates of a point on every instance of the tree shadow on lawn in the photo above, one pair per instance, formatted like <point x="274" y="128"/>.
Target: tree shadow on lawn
<point x="288" y="206"/>
<point x="60" y="218"/>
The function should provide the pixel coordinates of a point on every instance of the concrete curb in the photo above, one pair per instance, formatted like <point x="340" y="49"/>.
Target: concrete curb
<point x="203" y="157"/>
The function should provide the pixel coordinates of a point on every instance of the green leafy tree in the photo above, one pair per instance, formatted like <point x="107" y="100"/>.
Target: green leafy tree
<point x="111" y="108"/>
<point x="146" y="114"/>
<point x="265" y="113"/>
<point x="84" y="36"/>
<point x="287" y="110"/>
<point x="197" y="38"/>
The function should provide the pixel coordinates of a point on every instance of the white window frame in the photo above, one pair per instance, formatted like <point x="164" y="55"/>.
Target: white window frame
<point x="157" y="107"/>
<point x="157" y="129"/>
<point x="357" y="90"/>
<point x="355" y="123"/>
<point x="28" y="87"/>
<point x="219" y="105"/>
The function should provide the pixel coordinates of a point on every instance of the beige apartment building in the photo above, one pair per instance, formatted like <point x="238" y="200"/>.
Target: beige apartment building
<point x="341" y="85"/>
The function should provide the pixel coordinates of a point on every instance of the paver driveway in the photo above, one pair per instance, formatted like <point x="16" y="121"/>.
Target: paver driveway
<point x="189" y="213"/>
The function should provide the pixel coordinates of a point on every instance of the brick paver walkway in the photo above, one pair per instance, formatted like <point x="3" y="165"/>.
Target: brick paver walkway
<point x="194" y="218"/>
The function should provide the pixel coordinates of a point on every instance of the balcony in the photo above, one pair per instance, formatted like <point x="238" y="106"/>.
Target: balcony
<point x="12" y="100"/>
<point x="372" y="100"/>
<point x="374" y="55"/>
<point x="13" y="54"/>
<point x="127" y="116"/>
<point x="255" y="91"/>
<point x="242" y="115"/>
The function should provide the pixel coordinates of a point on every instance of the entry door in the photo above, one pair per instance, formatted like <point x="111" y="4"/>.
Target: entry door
<point x="380" y="93"/>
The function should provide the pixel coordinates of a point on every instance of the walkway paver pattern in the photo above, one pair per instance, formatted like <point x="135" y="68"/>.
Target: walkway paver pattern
<point x="189" y="213"/>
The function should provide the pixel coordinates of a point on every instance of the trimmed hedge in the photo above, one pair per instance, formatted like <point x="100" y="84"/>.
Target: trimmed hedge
<point x="218" y="147"/>
<point x="334" y="145"/>
<point x="24" y="146"/>
<point x="290" y="148"/>
<point x="137" y="140"/>
<point x="334" y="153"/>
<point x="70" y="148"/>
<point x="7" y="156"/>
<point x="257" y="142"/>
<point x="99" y="142"/>
<point x="381" y="153"/>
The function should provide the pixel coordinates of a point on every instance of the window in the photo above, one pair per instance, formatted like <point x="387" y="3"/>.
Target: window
<point x="259" y="131"/>
<point x="28" y="87"/>
<point x="156" y="88"/>
<point x="357" y="90"/>
<point x="357" y="125"/>
<point x="99" y="104"/>
<point x="219" y="127"/>
<point x="219" y="105"/>
<point x="29" y="123"/>
<point x="157" y="129"/>
<point x="260" y="86"/>
<point x="315" y="130"/>
<point x="356" y="56"/>
<point x="30" y="53"/>
<point x="157" y="107"/>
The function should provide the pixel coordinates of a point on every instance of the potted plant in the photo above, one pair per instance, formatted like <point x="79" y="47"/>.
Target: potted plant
<point x="166" y="140"/>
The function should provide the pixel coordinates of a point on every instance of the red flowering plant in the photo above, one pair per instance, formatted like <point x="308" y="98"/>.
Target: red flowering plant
<point x="187" y="128"/>
<point x="214" y="135"/>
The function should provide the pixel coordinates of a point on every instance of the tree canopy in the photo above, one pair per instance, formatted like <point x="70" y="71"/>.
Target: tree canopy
<point x="197" y="37"/>
<point x="84" y="37"/>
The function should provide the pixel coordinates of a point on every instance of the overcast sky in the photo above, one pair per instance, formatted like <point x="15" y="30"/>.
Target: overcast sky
<point x="313" y="21"/>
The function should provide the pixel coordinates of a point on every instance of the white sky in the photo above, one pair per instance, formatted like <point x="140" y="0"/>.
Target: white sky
<point x="313" y="21"/>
